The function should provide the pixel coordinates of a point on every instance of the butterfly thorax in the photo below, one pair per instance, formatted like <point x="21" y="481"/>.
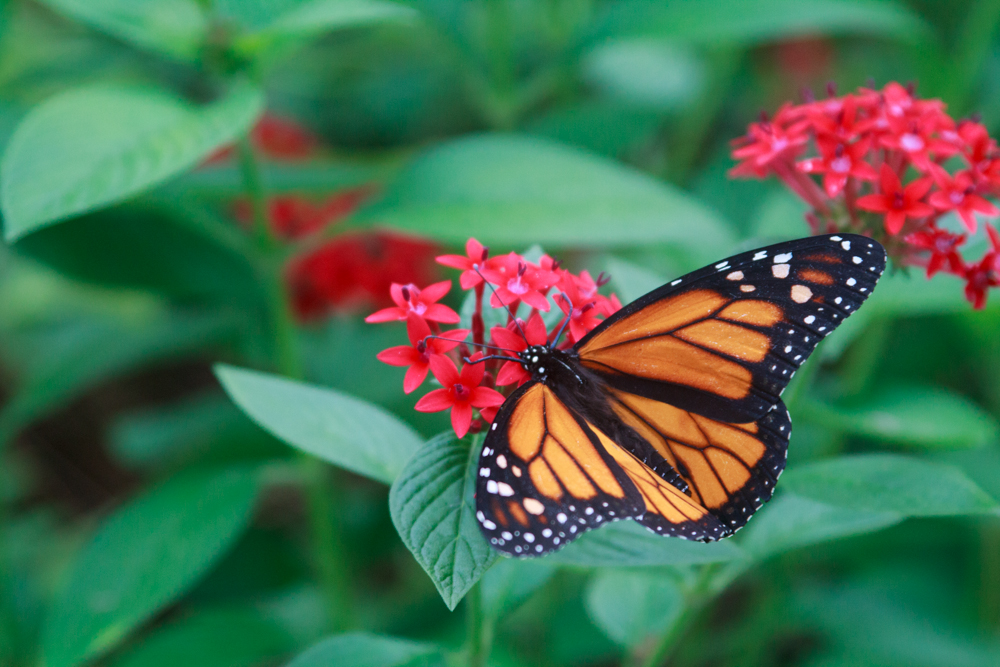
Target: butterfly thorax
<point x="551" y="366"/>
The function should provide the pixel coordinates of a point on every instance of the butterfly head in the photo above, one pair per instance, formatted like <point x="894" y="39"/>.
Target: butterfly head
<point x="547" y="363"/>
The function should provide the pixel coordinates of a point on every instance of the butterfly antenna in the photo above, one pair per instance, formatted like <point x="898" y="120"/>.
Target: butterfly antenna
<point x="562" y="329"/>
<point x="469" y="360"/>
<point x="491" y="347"/>
<point x="510" y="314"/>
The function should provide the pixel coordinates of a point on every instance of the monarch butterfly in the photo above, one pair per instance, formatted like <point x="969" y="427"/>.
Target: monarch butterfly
<point x="669" y="411"/>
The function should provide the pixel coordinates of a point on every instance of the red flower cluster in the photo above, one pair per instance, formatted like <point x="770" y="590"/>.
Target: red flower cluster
<point x="891" y="165"/>
<point x="351" y="271"/>
<point x="466" y="382"/>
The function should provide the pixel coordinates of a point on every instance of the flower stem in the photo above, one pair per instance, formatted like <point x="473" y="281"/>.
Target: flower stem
<point x="328" y="557"/>
<point x="479" y="628"/>
<point x="697" y="598"/>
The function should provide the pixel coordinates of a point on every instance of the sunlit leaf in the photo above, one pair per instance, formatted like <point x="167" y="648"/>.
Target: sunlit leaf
<point x="627" y="544"/>
<point x="93" y="146"/>
<point x="334" y="426"/>
<point x="359" y="649"/>
<point x="631" y="606"/>
<point x="144" y="556"/>
<point x="889" y="483"/>
<point x="433" y="510"/>
<point x="514" y="190"/>
<point x="915" y="415"/>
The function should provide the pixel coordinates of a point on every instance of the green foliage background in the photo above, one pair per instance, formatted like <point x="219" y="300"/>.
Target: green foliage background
<point x="292" y="508"/>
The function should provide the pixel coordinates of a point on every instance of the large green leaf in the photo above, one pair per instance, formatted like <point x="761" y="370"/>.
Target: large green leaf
<point x="173" y="27"/>
<point x="515" y="191"/>
<point x="791" y="522"/>
<point x="144" y="556"/>
<point x="433" y="510"/>
<point x="308" y="19"/>
<point x="360" y="649"/>
<point x="889" y="483"/>
<point x="915" y="415"/>
<point x="738" y="21"/>
<point x="336" y="427"/>
<point x="631" y="606"/>
<point x="627" y="544"/>
<point x="93" y="146"/>
<point x="217" y="638"/>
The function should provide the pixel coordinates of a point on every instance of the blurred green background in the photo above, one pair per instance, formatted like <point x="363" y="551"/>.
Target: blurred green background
<point x="146" y="520"/>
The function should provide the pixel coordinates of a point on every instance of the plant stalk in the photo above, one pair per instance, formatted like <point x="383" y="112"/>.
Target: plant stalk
<point x="479" y="628"/>
<point x="325" y="533"/>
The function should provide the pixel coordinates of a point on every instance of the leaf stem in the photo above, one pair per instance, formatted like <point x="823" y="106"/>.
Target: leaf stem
<point x="479" y="628"/>
<point x="325" y="534"/>
<point x="701" y="593"/>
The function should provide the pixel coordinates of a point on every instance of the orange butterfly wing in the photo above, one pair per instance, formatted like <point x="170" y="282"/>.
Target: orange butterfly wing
<point x="724" y="341"/>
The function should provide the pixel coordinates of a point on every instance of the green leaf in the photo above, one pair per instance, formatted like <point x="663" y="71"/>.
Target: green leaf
<point x="511" y="190"/>
<point x="602" y="127"/>
<point x="889" y="483"/>
<point x="309" y="19"/>
<point x="737" y="21"/>
<point x="645" y="73"/>
<point x="791" y="522"/>
<point x="346" y="431"/>
<point x="360" y="649"/>
<point x="60" y="360"/>
<point x="627" y="544"/>
<point x="218" y="638"/>
<point x="154" y="246"/>
<point x="631" y="606"/>
<point x="512" y="581"/>
<point x="176" y="28"/>
<point x="914" y="415"/>
<point x="433" y="510"/>
<point x="93" y="146"/>
<point x="144" y="556"/>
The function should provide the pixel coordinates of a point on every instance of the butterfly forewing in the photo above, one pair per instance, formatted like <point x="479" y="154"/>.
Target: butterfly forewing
<point x="724" y="341"/>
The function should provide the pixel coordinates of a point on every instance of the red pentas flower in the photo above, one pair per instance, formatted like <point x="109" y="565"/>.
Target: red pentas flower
<point x="422" y="348"/>
<point x="410" y="299"/>
<point x="892" y="166"/>
<point x="985" y="273"/>
<point x="958" y="194"/>
<point x="515" y="284"/>
<point x="460" y="392"/>
<point x="472" y="263"/>
<point x="898" y="202"/>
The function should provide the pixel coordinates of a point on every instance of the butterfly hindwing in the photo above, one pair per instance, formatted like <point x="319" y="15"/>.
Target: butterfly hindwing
<point x="724" y="341"/>
<point x="730" y="469"/>
<point x="543" y="479"/>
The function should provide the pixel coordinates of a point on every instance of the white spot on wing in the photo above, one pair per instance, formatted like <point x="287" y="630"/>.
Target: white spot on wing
<point x="735" y="275"/>
<point x="780" y="270"/>
<point x="747" y="288"/>
<point x="810" y="319"/>
<point x="801" y="293"/>
<point x="781" y="259"/>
